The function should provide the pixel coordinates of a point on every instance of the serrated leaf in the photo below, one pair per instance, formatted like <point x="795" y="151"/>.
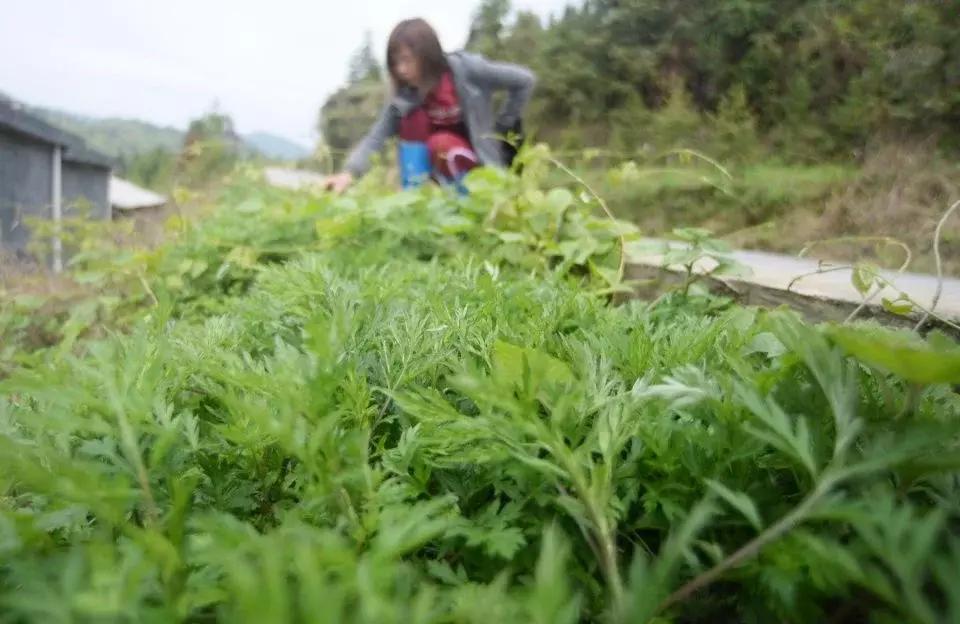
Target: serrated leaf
<point x="739" y="501"/>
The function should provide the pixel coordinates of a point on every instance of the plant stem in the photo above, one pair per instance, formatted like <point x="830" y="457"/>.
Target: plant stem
<point x="605" y="536"/>
<point x="911" y="401"/>
<point x="929" y="313"/>
<point x="146" y="287"/>
<point x="754" y="546"/>
<point x="937" y="259"/>
<point x="908" y="255"/>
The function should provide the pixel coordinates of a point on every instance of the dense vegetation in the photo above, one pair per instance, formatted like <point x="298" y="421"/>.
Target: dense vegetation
<point x="422" y="408"/>
<point x="823" y="73"/>
<point x="816" y="77"/>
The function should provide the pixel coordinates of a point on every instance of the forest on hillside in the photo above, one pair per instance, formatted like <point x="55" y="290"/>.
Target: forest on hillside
<point x="813" y="77"/>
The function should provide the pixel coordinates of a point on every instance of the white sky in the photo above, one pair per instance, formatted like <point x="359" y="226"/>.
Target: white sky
<point x="269" y="63"/>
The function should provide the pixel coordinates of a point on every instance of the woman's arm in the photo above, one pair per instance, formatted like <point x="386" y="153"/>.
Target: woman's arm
<point x="385" y="127"/>
<point x="516" y="80"/>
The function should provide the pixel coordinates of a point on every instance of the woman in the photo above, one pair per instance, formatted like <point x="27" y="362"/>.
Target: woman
<point x="444" y="101"/>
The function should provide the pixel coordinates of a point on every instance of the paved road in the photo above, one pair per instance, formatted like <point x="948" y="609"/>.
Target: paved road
<point x="774" y="270"/>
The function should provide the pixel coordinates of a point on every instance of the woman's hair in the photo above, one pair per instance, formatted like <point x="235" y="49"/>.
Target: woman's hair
<point x="417" y="35"/>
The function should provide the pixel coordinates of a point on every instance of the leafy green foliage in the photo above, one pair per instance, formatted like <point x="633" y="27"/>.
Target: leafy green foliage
<point x="814" y="77"/>
<point x="346" y="116"/>
<point x="211" y="148"/>
<point x="154" y="169"/>
<point x="936" y="360"/>
<point x="416" y="407"/>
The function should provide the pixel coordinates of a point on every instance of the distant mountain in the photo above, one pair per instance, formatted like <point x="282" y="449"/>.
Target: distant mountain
<point x="115" y="137"/>
<point x="118" y="137"/>
<point x="273" y="146"/>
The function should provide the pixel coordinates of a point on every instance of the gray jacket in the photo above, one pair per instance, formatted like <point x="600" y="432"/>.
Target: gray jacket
<point x="476" y="80"/>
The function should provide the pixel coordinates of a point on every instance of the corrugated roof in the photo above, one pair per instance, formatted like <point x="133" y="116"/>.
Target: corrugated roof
<point x="125" y="195"/>
<point x="15" y="117"/>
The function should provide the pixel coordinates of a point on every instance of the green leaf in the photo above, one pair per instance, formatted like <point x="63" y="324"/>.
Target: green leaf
<point x="691" y="235"/>
<point x="728" y="267"/>
<point x="558" y="200"/>
<point x="765" y="343"/>
<point x="788" y="434"/>
<point x="552" y="600"/>
<point x="739" y="501"/>
<point x="340" y="226"/>
<point x="681" y="256"/>
<point x="650" y="582"/>
<point x="715" y="246"/>
<point x="513" y="364"/>
<point x="900" y="306"/>
<point x="902" y="353"/>
<point x="862" y="279"/>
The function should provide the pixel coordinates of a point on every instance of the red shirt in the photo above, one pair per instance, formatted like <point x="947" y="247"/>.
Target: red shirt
<point x="442" y="104"/>
<point x="440" y="111"/>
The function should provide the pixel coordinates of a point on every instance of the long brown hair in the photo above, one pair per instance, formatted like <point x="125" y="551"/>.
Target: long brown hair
<point x="417" y="35"/>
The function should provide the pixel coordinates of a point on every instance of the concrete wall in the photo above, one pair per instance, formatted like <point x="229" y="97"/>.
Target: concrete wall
<point x="85" y="188"/>
<point x="26" y="173"/>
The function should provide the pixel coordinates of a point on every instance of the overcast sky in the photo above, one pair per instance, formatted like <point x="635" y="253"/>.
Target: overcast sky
<point x="269" y="63"/>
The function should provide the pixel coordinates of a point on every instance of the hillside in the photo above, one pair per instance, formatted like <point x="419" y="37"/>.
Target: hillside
<point x="273" y="146"/>
<point x="118" y="137"/>
<point x="115" y="136"/>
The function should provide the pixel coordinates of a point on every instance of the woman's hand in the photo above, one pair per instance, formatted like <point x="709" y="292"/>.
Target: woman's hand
<point x="339" y="182"/>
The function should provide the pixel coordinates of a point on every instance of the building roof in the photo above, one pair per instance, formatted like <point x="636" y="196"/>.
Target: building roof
<point x="14" y="116"/>
<point x="125" y="195"/>
<point x="85" y="156"/>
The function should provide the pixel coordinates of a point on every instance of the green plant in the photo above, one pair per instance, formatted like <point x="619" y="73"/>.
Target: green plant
<point x="697" y="255"/>
<point x="415" y="408"/>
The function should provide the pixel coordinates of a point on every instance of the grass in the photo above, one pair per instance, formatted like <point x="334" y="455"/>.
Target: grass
<point x="898" y="191"/>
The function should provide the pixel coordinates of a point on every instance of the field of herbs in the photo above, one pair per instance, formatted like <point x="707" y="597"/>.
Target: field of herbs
<point x="418" y="407"/>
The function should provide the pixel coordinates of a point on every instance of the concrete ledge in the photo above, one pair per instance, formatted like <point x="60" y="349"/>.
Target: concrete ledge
<point x="827" y="296"/>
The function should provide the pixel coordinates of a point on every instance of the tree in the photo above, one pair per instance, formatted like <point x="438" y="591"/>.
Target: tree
<point x="211" y="148"/>
<point x="523" y="39"/>
<point x="363" y="64"/>
<point x="487" y="29"/>
<point x="152" y="169"/>
<point x="347" y="114"/>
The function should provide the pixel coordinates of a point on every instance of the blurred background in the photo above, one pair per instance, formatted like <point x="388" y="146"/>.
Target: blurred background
<point x="832" y="118"/>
